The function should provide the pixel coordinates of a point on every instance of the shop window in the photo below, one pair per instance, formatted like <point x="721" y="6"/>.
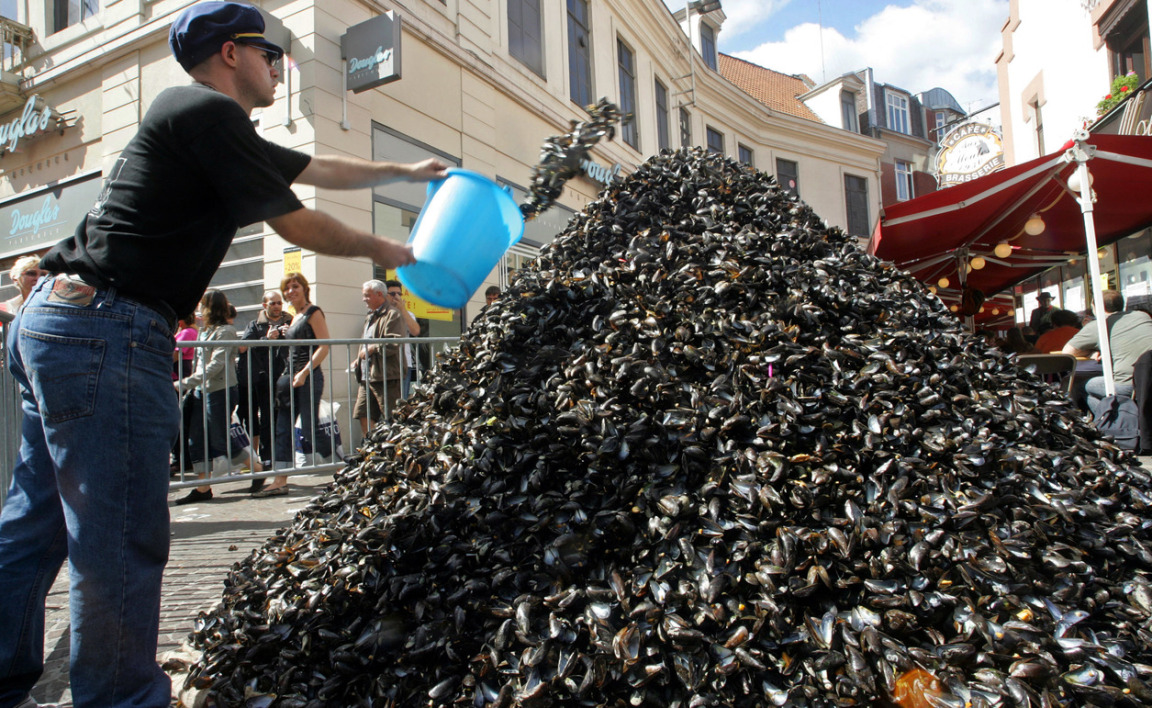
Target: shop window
<point x="626" y="62"/>
<point x="66" y="13"/>
<point x="848" y="111"/>
<point x="394" y="210"/>
<point x="897" y="112"/>
<point x="708" y="45"/>
<point x="788" y="175"/>
<point x="662" y="137"/>
<point x="715" y="141"/>
<point x="1136" y="269"/>
<point x="525" y="40"/>
<point x="856" y="203"/>
<point x="543" y="229"/>
<point x="903" y="180"/>
<point x="579" y="53"/>
<point x="745" y="154"/>
<point x="685" y="128"/>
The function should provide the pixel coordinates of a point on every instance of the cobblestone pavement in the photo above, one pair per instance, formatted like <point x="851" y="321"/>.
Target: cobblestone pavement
<point x="207" y="539"/>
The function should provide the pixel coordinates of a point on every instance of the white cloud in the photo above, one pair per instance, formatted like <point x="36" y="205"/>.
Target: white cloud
<point x="931" y="43"/>
<point x="741" y="15"/>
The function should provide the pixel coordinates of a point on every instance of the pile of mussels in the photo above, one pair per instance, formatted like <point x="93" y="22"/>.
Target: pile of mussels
<point x="706" y="452"/>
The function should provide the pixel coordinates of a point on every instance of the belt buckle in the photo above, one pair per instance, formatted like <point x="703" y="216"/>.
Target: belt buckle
<point x="69" y="289"/>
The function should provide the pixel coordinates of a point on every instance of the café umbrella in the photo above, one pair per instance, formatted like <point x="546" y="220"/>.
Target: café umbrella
<point x="1026" y="219"/>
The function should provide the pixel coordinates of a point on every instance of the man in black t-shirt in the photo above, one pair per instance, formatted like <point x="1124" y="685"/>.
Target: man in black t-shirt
<point x="92" y="351"/>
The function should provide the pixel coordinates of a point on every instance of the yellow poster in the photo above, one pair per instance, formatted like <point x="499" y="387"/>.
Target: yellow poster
<point x="419" y="308"/>
<point x="293" y="261"/>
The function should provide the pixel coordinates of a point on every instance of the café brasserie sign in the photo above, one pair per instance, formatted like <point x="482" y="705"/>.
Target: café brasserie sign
<point x="971" y="150"/>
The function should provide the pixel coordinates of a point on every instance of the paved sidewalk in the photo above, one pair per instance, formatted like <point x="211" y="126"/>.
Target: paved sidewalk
<point x="207" y="539"/>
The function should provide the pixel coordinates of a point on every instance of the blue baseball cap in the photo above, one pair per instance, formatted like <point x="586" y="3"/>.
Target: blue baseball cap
<point x="203" y="28"/>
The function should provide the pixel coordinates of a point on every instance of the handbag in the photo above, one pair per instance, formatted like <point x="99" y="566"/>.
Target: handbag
<point x="1118" y="417"/>
<point x="238" y="435"/>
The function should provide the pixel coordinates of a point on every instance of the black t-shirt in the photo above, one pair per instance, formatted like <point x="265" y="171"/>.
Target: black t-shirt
<point x="194" y="173"/>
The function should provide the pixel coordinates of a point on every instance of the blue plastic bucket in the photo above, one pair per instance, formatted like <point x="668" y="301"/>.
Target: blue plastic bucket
<point x="466" y="225"/>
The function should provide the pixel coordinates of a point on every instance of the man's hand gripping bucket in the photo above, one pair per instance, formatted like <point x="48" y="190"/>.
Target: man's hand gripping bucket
<point x="466" y="225"/>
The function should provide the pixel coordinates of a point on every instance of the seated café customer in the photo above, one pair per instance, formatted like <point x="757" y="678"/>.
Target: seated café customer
<point x="1129" y="336"/>
<point x="1065" y="325"/>
<point x="1015" y="343"/>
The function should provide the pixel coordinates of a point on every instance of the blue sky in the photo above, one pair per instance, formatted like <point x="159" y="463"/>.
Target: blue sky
<point x="913" y="44"/>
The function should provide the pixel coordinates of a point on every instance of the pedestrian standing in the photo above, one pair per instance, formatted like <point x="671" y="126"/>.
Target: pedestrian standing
<point x="412" y="325"/>
<point x="299" y="388"/>
<point x="212" y="385"/>
<point x="257" y="370"/>
<point x="379" y="368"/>
<point x="92" y="352"/>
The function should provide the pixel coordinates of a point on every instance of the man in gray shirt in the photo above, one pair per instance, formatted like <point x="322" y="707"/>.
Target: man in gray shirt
<point x="1130" y="335"/>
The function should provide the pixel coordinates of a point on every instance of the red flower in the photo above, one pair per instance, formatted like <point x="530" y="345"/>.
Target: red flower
<point x="1123" y="88"/>
<point x="1108" y="97"/>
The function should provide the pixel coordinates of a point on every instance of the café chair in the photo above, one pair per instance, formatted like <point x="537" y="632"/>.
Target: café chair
<point x="1055" y="368"/>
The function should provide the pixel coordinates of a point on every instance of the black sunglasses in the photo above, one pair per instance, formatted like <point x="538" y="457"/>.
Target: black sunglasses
<point x="270" y="56"/>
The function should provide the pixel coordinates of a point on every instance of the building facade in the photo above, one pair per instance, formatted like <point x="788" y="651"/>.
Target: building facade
<point x="1058" y="62"/>
<point x="482" y="84"/>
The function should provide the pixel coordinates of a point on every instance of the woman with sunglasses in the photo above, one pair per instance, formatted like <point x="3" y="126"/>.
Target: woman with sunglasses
<point x="25" y="272"/>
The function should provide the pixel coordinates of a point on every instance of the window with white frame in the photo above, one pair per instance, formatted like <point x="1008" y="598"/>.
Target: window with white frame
<point x="897" y="112"/>
<point x="662" y="119"/>
<point x="685" y="128"/>
<point x="66" y="13"/>
<point x="627" y="64"/>
<point x="903" y="180"/>
<point x="525" y="37"/>
<point x="715" y="140"/>
<point x="708" y="45"/>
<point x="856" y="203"/>
<point x="848" y="111"/>
<point x="941" y="121"/>
<point x="745" y="154"/>
<point x="579" y="53"/>
<point x="788" y="175"/>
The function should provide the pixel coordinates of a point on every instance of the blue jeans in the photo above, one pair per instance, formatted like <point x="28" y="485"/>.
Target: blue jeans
<point x="304" y="402"/>
<point x="90" y="484"/>
<point x="1095" y="390"/>
<point x="217" y="420"/>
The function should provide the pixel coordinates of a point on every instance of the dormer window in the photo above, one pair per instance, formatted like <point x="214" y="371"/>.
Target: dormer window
<point x="708" y="45"/>
<point x="848" y="111"/>
<point x="897" y="112"/>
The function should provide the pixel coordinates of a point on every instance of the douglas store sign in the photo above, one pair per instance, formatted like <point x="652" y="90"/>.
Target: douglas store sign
<point x="36" y="119"/>
<point x="372" y="50"/>
<point x="32" y="221"/>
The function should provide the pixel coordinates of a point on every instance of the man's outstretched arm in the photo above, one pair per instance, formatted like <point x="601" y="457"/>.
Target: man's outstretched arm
<point x="342" y="172"/>
<point x="322" y="233"/>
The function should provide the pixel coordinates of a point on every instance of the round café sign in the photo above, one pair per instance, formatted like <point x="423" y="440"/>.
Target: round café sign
<point x="971" y="150"/>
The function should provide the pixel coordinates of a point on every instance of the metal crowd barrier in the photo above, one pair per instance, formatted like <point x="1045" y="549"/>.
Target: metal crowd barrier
<point x="340" y="388"/>
<point x="10" y="417"/>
